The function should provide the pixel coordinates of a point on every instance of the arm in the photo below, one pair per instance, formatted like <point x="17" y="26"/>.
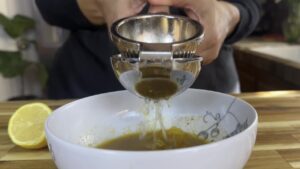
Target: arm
<point x="87" y="14"/>
<point x="64" y="13"/>
<point x="250" y="12"/>
<point x="221" y="19"/>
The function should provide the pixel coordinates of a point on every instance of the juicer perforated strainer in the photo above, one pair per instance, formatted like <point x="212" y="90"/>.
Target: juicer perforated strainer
<point x="156" y="46"/>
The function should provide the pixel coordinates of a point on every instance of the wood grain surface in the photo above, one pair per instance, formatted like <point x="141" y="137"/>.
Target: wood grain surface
<point x="277" y="145"/>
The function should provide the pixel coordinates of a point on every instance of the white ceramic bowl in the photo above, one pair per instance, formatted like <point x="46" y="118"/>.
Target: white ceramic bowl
<point x="228" y="122"/>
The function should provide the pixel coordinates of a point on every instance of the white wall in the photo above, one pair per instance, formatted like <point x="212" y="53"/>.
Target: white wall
<point x="7" y="9"/>
<point x="49" y="38"/>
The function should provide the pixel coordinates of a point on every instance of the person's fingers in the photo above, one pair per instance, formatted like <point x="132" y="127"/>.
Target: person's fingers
<point x="124" y="9"/>
<point x="178" y="3"/>
<point x="159" y="9"/>
<point x="210" y="54"/>
<point x="192" y="14"/>
<point x="205" y="45"/>
<point x="134" y="4"/>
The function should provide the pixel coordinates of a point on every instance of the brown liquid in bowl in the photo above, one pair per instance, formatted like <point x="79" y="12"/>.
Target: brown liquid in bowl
<point x="176" y="138"/>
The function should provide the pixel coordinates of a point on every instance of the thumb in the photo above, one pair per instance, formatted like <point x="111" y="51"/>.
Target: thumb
<point x="159" y="9"/>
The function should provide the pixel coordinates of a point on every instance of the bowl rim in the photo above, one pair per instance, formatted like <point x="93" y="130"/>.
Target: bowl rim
<point x="145" y="152"/>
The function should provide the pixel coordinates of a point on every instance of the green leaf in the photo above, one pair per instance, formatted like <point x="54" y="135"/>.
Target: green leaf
<point x="3" y="20"/>
<point x="42" y="74"/>
<point x="12" y="64"/>
<point x="17" y="26"/>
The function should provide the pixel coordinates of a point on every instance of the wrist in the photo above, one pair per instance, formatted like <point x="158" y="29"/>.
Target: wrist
<point x="231" y="14"/>
<point x="91" y="11"/>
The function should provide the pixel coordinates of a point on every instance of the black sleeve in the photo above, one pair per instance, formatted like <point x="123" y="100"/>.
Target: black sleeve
<point x="64" y="13"/>
<point x="250" y="13"/>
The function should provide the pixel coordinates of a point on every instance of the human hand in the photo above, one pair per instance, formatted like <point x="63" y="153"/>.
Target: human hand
<point x="219" y="19"/>
<point x="108" y="11"/>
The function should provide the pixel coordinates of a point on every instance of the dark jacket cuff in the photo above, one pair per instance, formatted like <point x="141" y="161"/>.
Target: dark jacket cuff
<point x="249" y="18"/>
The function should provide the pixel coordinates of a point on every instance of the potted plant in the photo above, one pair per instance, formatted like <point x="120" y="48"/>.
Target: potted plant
<point x="291" y="27"/>
<point x="13" y="63"/>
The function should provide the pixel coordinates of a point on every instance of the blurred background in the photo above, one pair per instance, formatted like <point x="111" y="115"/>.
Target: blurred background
<point x="267" y="60"/>
<point x="27" y="84"/>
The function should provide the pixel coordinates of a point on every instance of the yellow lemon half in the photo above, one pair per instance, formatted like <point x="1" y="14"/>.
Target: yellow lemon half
<point x="26" y="125"/>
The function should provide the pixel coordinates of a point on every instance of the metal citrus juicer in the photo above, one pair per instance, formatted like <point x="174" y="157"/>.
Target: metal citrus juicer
<point x="157" y="54"/>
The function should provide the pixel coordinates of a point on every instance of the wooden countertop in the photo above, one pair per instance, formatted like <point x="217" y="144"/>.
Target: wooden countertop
<point x="264" y="64"/>
<point x="248" y="45"/>
<point x="277" y="145"/>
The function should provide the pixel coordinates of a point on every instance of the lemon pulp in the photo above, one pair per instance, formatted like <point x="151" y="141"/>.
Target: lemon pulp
<point x="26" y="125"/>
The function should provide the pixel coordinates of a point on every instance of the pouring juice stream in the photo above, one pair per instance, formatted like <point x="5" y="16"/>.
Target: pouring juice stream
<point x="157" y="62"/>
